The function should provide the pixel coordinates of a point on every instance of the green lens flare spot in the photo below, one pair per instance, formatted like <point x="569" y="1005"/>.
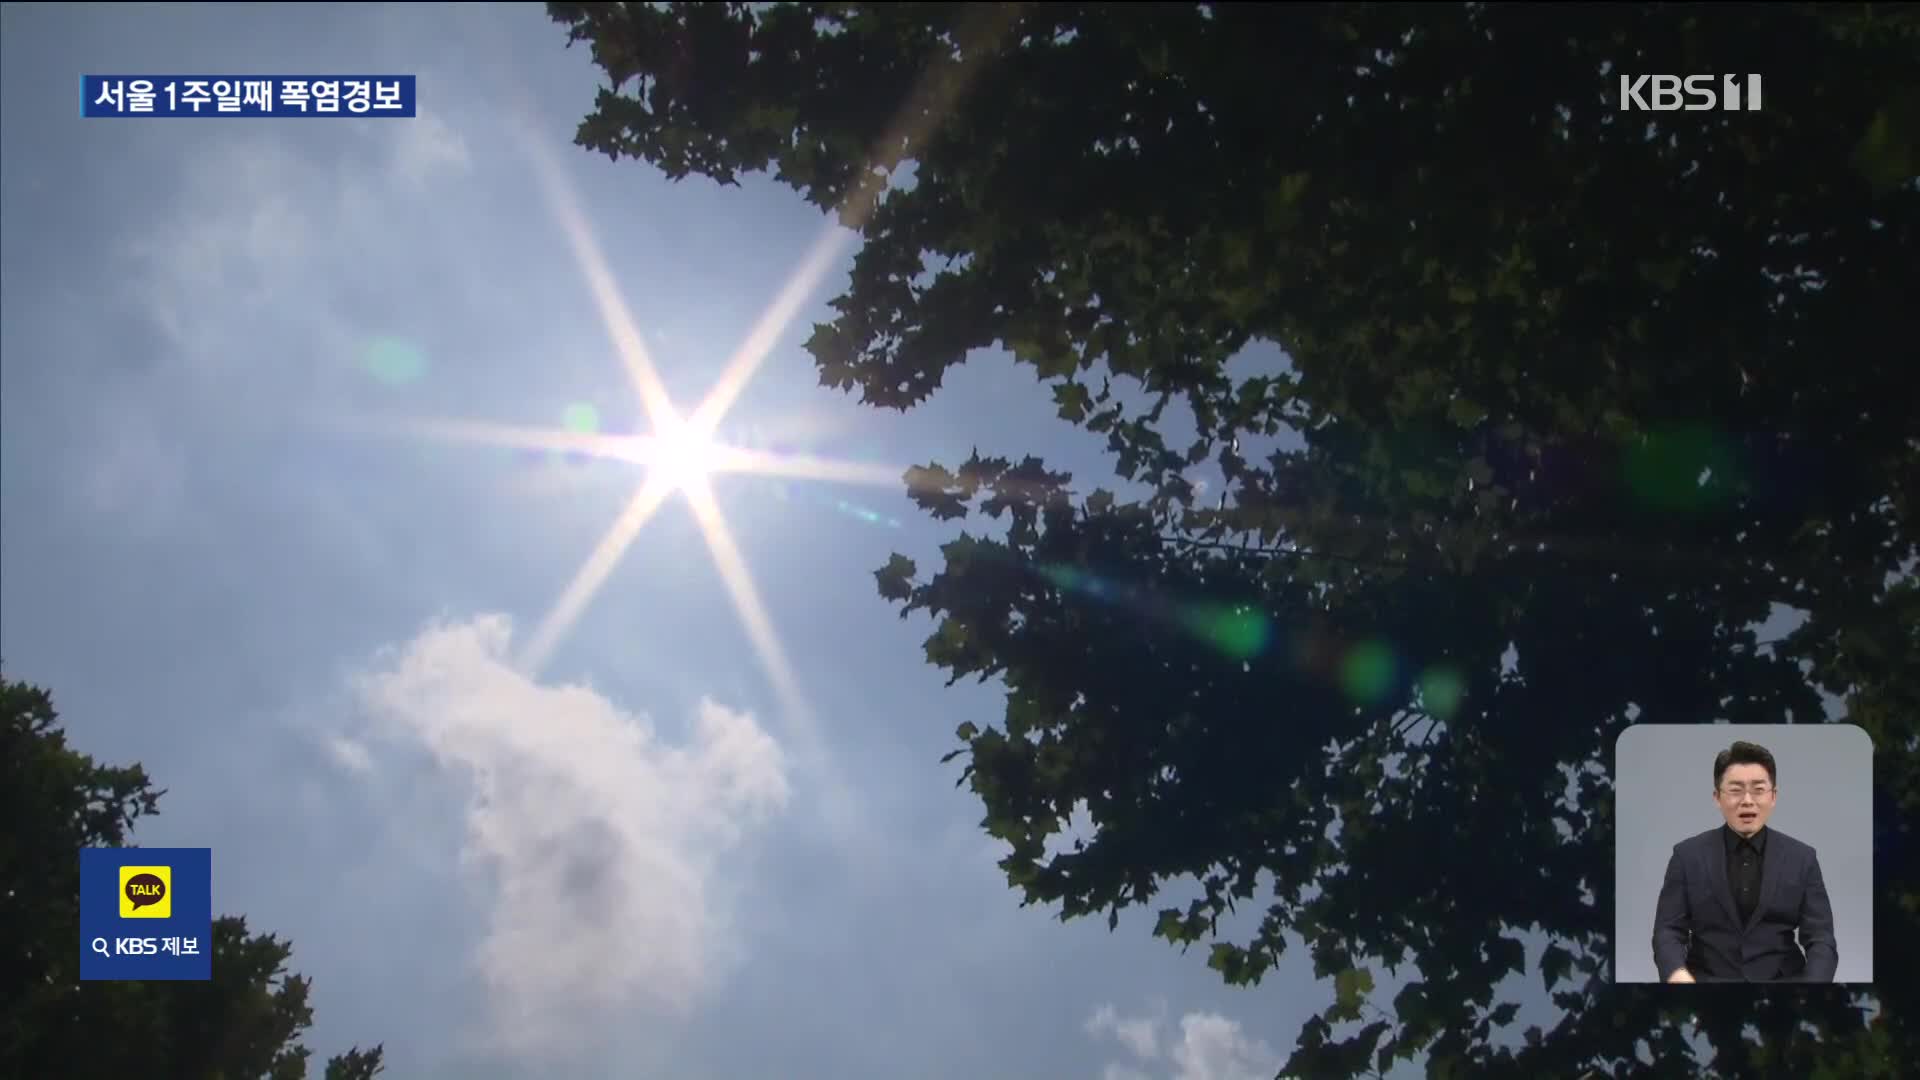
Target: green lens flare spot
<point x="1240" y="633"/>
<point x="581" y="418"/>
<point x="1441" y="689"/>
<point x="1367" y="673"/>
<point x="1682" y="468"/>
<point x="395" y="362"/>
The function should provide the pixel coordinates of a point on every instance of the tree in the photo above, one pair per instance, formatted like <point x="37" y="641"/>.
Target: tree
<point x="1573" y="398"/>
<point x="244" y="1024"/>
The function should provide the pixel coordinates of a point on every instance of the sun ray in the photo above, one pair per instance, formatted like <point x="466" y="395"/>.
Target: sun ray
<point x="772" y="323"/>
<point x="593" y="573"/>
<point x="606" y="293"/>
<point x="511" y="437"/>
<point x="735" y="459"/>
<point x="746" y="601"/>
<point x="933" y="97"/>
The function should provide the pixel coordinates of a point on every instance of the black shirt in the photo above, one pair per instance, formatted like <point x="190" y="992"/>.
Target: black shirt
<point x="1745" y="858"/>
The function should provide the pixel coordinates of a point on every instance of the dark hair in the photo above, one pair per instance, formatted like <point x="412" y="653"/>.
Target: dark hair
<point x="1743" y="753"/>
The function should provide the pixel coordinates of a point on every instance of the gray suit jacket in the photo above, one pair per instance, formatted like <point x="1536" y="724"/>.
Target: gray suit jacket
<point x="1696" y="924"/>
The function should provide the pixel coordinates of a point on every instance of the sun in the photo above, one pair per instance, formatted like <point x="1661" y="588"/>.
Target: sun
<point x="681" y="455"/>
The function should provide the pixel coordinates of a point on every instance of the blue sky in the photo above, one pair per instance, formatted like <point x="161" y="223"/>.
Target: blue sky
<point x="640" y="858"/>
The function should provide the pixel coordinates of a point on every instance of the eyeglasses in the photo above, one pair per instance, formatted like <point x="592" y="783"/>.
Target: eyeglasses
<point x="1735" y="791"/>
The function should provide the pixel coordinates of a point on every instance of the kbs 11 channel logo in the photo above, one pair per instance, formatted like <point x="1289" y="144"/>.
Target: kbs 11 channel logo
<point x="252" y="96"/>
<point x="146" y="913"/>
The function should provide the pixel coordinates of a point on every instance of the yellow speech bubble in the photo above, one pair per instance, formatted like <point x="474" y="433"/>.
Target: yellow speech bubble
<point x="146" y="892"/>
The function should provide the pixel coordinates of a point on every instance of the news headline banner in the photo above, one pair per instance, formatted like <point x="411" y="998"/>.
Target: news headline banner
<point x="146" y="913"/>
<point x="364" y="96"/>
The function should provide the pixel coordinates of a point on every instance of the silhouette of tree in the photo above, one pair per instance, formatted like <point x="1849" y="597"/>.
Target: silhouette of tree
<point x="1573" y="398"/>
<point x="243" y="1024"/>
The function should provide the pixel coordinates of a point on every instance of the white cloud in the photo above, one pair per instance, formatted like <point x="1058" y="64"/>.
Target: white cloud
<point x="426" y="149"/>
<point x="1207" y="1046"/>
<point x="1212" y="1047"/>
<point x="134" y="476"/>
<point x="351" y="754"/>
<point x="601" y="846"/>
<point x="268" y="227"/>
<point x="249" y="277"/>
<point x="1139" y="1034"/>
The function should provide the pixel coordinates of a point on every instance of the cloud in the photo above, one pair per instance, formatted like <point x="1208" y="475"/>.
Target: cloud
<point x="1139" y="1034"/>
<point x="134" y="475"/>
<point x="1212" y="1047"/>
<point x="350" y="754"/>
<point x="601" y="847"/>
<point x="1207" y="1046"/>
<point x="427" y="149"/>
<point x="270" y="235"/>
<point x="256" y="287"/>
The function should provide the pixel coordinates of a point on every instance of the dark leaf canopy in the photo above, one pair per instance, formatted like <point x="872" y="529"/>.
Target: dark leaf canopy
<point x="243" y="1024"/>
<point x="1573" y="399"/>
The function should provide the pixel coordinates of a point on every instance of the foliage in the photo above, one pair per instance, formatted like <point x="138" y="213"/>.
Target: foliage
<point x="243" y="1024"/>
<point x="1591" y="389"/>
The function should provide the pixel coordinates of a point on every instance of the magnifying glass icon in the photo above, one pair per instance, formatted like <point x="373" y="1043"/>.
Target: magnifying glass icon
<point x="100" y="946"/>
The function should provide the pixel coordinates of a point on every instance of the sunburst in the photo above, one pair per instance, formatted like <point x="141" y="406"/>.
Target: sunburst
<point x="681" y="453"/>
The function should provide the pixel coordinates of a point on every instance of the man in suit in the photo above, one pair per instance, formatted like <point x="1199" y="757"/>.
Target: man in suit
<point x="1735" y="896"/>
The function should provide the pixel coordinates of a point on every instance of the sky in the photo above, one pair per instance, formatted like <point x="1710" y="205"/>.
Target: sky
<point x="232" y="553"/>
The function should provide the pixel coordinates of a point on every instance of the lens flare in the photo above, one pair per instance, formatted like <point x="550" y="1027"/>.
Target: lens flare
<point x="581" y="418"/>
<point x="1367" y="673"/>
<point x="1241" y="633"/>
<point x="1682" y="468"/>
<point x="394" y="362"/>
<point x="1441" y="689"/>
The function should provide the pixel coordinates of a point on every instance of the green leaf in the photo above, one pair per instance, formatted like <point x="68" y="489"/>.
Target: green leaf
<point x="1618" y="425"/>
<point x="1058" y="364"/>
<point x="1073" y="400"/>
<point x="1555" y="963"/>
<point x="1888" y="152"/>
<point x="1665" y="274"/>
<point x="1465" y="413"/>
<point x="1231" y="962"/>
<point x="1352" y="986"/>
<point x="1508" y="954"/>
<point x="1284" y="198"/>
<point x="896" y="578"/>
<point x="950" y="644"/>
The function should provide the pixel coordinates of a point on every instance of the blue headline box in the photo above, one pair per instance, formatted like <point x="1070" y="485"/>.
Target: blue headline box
<point x="254" y="96"/>
<point x="146" y="913"/>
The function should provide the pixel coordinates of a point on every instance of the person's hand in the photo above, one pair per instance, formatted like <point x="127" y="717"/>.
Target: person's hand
<point x="1680" y="975"/>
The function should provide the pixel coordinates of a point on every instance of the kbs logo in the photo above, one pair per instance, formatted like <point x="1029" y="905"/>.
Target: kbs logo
<point x="146" y="892"/>
<point x="146" y="914"/>
<point x="1693" y="93"/>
